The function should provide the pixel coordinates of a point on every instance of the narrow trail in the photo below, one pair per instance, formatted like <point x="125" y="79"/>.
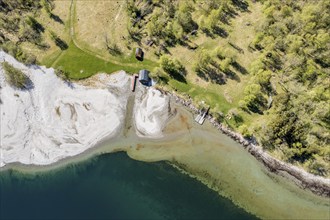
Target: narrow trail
<point x="57" y="59"/>
<point x="119" y="11"/>
<point x="72" y="32"/>
<point x="113" y="25"/>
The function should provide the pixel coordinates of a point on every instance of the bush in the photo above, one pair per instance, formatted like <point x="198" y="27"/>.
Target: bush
<point x="173" y="67"/>
<point x="244" y="130"/>
<point x="58" y="41"/>
<point x="253" y="98"/>
<point x="15" y="77"/>
<point x="159" y="76"/>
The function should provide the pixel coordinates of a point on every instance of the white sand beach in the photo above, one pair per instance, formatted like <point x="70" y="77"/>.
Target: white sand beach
<point x="54" y="119"/>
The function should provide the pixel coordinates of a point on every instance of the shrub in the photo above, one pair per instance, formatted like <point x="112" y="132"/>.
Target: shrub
<point x="244" y="130"/>
<point x="173" y="67"/>
<point x="15" y="77"/>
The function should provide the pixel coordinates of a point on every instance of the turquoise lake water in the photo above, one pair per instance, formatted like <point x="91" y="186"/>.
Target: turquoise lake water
<point x="111" y="186"/>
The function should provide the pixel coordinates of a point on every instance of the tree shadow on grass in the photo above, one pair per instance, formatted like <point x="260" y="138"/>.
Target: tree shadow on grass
<point x="39" y="28"/>
<point x="255" y="109"/>
<point x="232" y="13"/>
<point x="114" y="50"/>
<point x="217" y="31"/>
<point x="163" y="48"/>
<point x="135" y="36"/>
<point x="240" y="50"/>
<point x="258" y="105"/>
<point x="179" y="78"/>
<point x="61" y="43"/>
<point x="179" y="75"/>
<point x="220" y="32"/>
<point x="242" y="5"/>
<point x="225" y="19"/>
<point x="239" y="68"/>
<point x="202" y="74"/>
<point x="232" y="75"/>
<point x="56" y="18"/>
<point x="218" y="74"/>
<point x="208" y="33"/>
<point x="163" y="79"/>
<point x="238" y="119"/>
<point x="212" y="74"/>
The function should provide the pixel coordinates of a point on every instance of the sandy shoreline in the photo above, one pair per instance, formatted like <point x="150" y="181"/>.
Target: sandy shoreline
<point x="317" y="184"/>
<point x="55" y="119"/>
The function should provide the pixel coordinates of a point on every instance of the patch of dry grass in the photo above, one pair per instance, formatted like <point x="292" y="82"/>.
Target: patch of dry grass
<point x="60" y="27"/>
<point x="96" y="20"/>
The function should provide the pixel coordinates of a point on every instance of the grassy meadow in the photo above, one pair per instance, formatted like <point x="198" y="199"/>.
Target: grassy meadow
<point x="86" y="55"/>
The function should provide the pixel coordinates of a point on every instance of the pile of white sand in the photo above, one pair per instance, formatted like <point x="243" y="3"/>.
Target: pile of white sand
<point x="54" y="120"/>
<point x="151" y="113"/>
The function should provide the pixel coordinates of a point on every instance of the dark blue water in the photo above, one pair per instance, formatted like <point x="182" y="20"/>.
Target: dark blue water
<point x="111" y="186"/>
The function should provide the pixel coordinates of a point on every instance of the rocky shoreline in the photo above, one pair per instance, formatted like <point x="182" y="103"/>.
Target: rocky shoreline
<point x="305" y="180"/>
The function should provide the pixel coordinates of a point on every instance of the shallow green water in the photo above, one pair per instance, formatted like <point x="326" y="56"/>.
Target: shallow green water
<point x="111" y="186"/>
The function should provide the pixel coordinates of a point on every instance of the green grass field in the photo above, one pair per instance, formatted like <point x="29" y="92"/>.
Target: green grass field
<point x="201" y="94"/>
<point x="215" y="100"/>
<point x="81" y="64"/>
